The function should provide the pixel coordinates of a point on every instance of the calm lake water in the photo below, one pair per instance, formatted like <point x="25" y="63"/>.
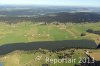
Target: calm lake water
<point x="49" y="45"/>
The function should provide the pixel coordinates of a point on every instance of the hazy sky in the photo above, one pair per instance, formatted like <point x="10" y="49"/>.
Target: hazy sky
<point x="53" y="2"/>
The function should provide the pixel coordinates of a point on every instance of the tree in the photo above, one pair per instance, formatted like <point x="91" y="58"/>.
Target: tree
<point x="89" y="30"/>
<point x="83" y="34"/>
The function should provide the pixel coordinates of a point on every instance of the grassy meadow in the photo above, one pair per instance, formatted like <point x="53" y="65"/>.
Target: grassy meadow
<point x="27" y="58"/>
<point x="32" y="32"/>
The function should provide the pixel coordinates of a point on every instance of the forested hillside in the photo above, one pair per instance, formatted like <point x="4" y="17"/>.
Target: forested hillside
<point x="62" y="17"/>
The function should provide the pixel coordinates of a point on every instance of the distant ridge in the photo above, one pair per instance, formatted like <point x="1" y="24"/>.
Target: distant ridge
<point x="62" y="17"/>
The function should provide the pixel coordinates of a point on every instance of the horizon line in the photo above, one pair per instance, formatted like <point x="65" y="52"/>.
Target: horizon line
<point x="46" y="5"/>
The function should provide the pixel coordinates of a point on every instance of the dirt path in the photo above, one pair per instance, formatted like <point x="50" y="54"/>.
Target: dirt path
<point x="71" y="33"/>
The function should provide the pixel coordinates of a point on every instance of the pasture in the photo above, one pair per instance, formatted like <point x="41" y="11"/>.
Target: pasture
<point x="29" y="58"/>
<point x="31" y="32"/>
<point x="26" y="32"/>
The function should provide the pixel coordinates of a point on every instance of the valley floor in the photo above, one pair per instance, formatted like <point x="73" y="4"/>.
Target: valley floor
<point x="33" y="32"/>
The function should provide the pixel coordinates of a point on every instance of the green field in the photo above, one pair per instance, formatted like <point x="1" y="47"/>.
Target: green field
<point x="22" y="58"/>
<point x="32" y="32"/>
<point x="29" y="32"/>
